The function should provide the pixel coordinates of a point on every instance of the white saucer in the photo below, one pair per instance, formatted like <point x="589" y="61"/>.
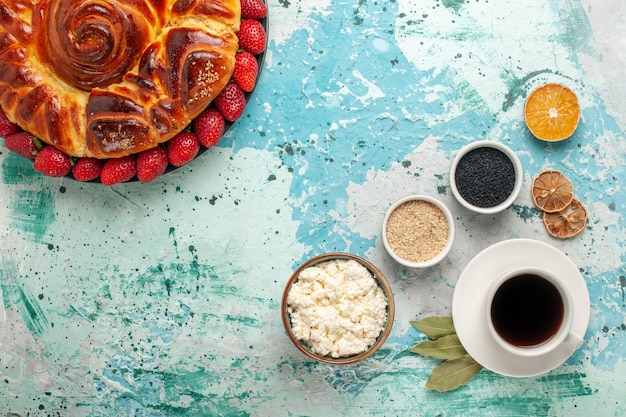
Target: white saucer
<point x="469" y="297"/>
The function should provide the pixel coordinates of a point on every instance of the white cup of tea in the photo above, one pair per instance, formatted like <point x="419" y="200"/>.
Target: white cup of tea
<point x="530" y="313"/>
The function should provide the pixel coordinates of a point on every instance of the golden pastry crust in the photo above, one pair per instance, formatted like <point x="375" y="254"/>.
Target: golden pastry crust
<point x="109" y="78"/>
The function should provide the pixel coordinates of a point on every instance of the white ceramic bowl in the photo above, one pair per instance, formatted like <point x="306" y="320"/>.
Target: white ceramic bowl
<point x="517" y="165"/>
<point x="441" y="254"/>
<point x="380" y="280"/>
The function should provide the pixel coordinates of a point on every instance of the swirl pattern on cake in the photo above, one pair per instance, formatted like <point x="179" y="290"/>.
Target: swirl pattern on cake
<point x="109" y="78"/>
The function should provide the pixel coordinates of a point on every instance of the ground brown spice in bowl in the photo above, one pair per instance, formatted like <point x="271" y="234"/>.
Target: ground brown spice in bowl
<point x="417" y="230"/>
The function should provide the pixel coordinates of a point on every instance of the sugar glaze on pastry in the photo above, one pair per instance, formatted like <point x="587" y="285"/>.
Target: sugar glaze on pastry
<point x="109" y="78"/>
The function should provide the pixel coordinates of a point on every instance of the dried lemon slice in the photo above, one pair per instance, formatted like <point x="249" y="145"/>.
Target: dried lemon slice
<point x="552" y="112"/>
<point x="552" y="191"/>
<point x="568" y="222"/>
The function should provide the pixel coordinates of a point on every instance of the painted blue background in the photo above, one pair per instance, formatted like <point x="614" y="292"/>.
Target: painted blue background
<point x="163" y="299"/>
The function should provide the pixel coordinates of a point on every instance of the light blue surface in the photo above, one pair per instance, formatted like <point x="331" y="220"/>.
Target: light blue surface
<point x="163" y="299"/>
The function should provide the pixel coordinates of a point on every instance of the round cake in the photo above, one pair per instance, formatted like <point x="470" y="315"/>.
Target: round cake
<point x="107" y="78"/>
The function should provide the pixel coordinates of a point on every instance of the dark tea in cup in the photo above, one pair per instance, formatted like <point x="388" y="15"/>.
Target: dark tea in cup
<point x="527" y="310"/>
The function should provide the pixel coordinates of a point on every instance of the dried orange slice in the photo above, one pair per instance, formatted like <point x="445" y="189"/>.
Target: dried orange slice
<point x="568" y="222"/>
<point x="552" y="191"/>
<point x="552" y="112"/>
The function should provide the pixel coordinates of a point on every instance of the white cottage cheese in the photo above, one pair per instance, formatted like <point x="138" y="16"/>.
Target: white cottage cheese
<point x="337" y="308"/>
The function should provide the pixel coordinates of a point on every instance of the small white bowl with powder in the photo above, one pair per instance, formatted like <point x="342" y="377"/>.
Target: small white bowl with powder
<point x="418" y="231"/>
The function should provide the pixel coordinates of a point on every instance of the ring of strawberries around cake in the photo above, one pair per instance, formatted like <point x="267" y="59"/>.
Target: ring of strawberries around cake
<point x="92" y="93"/>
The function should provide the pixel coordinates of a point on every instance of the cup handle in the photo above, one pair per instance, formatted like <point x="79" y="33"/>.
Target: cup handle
<point x="573" y="340"/>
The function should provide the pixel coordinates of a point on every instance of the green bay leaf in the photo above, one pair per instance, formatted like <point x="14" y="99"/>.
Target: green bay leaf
<point x="446" y="347"/>
<point x="453" y="373"/>
<point x="435" y="327"/>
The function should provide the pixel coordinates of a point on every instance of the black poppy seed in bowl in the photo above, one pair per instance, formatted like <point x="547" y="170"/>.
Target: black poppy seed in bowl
<point x="485" y="177"/>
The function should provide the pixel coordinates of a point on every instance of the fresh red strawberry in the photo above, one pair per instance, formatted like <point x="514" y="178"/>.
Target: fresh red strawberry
<point x="52" y="162"/>
<point x="251" y="36"/>
<point x="6" y="127"/>
<point x="246" y="70"/>
<point x="209" y="127"/>
<point x="23" y="144"/>
<point x="182" y="148"/>
<point x="87" y="169"/>
<point x="231" y="102"/>
<point x="253" y="9"/>
<point x="116" y="170"/>
<point x="151" y="164"/>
